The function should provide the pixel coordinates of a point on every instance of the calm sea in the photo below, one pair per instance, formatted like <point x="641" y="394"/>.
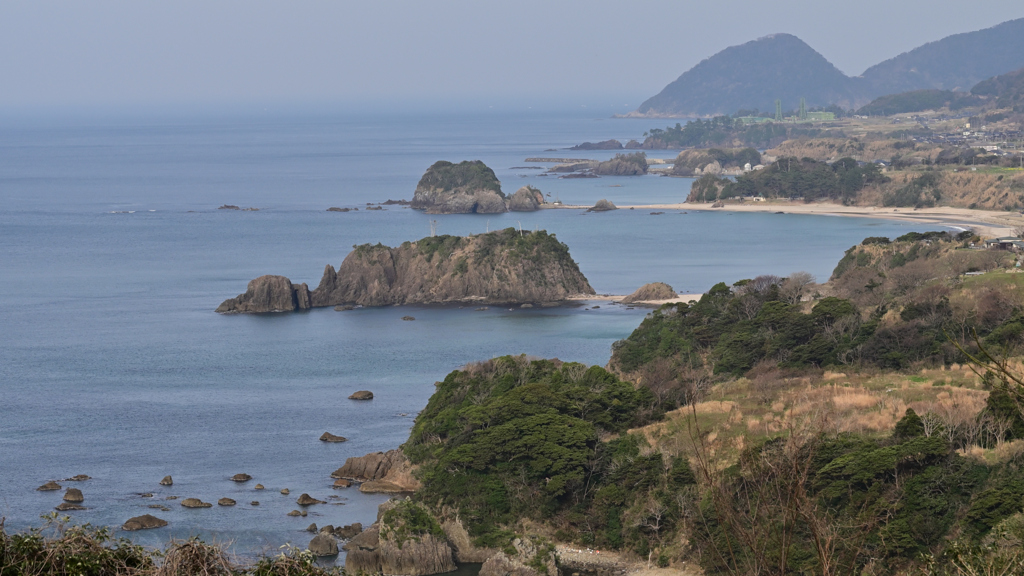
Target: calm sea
<point x="113" y="256"/>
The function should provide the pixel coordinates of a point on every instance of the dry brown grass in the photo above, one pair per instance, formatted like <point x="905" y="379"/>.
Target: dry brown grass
<point x="830" y="149"/>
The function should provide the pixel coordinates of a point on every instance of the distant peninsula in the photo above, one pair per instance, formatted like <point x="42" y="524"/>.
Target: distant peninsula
<point x="502" y="267"/>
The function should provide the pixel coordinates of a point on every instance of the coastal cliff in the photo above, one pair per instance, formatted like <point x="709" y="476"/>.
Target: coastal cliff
<point x="502" y="267"/>
<point x="469" y="187"/>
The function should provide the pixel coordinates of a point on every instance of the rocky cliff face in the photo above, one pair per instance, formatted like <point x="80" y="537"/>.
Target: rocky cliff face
<point x="380" y="472"/>
<point x="503" y="267"/>
<point x="469" y="187"/>
<point x="405" y="540"/>
<point x="533" y="557"/>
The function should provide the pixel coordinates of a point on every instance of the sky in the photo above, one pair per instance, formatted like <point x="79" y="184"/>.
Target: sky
<point x="392" y="53"/>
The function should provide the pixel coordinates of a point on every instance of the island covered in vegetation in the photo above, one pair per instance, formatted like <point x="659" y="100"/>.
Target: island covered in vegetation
<point x="502" y="267"/>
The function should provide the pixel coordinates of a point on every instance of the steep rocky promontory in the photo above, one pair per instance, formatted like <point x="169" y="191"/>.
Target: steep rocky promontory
<point x="502" y="267"/>
<point x="469" y="187"/>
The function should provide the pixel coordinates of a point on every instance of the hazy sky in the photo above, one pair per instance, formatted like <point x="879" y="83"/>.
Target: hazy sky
<point x="597" y="52"/>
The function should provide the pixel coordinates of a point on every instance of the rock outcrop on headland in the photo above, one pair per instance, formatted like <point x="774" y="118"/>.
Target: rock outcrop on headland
<point x="603" y="145"/>
<point x="526" y="199"/>
<point x="269" y="294"/>
<point x="469" y="187"/>
<point x="502" y="267"/>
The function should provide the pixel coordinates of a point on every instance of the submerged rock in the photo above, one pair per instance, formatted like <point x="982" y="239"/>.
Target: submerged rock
<point x="144" y="522"/>
<point x="49" y="486"/>
<point x="73" y="495"/>
<point x="328" y="437"/>
<point x="78" y="478"/>
<point x="361" y="395"/>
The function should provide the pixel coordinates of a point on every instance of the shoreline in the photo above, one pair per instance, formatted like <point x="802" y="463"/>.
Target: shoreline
<point x="647" y="303"/>
<point x="986" y="222"/>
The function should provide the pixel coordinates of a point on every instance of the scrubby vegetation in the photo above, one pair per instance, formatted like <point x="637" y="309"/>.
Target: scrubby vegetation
<point x="918" y="101"/>
<point x="466" y="175"/>
<point x="690" y="160"/>
<point x="792" y="178"/>
<point x="725" y="131"/>
<point x="63" y="549"/>
<point x="633" y="164"/>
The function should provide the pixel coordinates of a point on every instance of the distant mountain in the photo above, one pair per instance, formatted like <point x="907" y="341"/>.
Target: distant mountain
<point x="1006" y="90"/>
<point x="918" y="101"/>
<point x="781" y="66"/>
<point x="956" y="62"/>
<point x="754" y="75"/>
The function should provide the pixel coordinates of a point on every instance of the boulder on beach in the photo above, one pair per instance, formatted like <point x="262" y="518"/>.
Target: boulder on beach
<point x="342" y="483"/>
<point x="144" y="522"/>
<point x="225" y="502"/>
<point x="195" y="503"/>
<point x="328" y="437"/>
<point x="648" y="292"/>
<point x="323" y="545"/>
<point x="67" y="506"/>
<point x="602" y="205"/>
<point x="361" y="395"/>
<point x="307" y="500"/>
<point x="51" y="485"/>
<point x="167" y="481"/>
<point x="73" y="495"/>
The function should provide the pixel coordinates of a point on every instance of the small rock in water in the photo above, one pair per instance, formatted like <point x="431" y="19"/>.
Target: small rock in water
<point x="73" y="495"/>
<point x="66" y="506"/>
<point x="146" y="495"/>
<point x="323" y="545"/>
<point x="343" y="308"/>
<point x="167" y="481"/>
<point x="311" y="527"/>
<point x="482" y="308"/>
<point x="258" y="487"/>
<point x="171" y="498"/>
<point x="526" y="306"/>
<point x="349" y="531"/>
<point x="326" y="529"/>
<point x="225" y="502"/>
<point x="144" y="522"/>
<point x="78" y="478"/>
<point x="596" y="307"/>
<point x="254" y="503"/>
<point x="328" y="437"/>
<point x="408" y="318"/>
<point x="285" y="491"/>
<point x="51" y="485"/>
<point x="307" y="500"/>
<point x="362" y="395"/>
<point x="160" y="507"/>
<point x="241" y="478"/>
<point x="195" y="503"/>
<point x="295" y="513"/>
<point x="342" y="483"/>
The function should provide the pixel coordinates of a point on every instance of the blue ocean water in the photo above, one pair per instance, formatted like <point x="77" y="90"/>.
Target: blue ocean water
<point x="113" y="256"/>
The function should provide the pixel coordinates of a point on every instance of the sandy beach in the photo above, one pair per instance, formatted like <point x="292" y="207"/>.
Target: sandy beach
<point x="987" y="223"/>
